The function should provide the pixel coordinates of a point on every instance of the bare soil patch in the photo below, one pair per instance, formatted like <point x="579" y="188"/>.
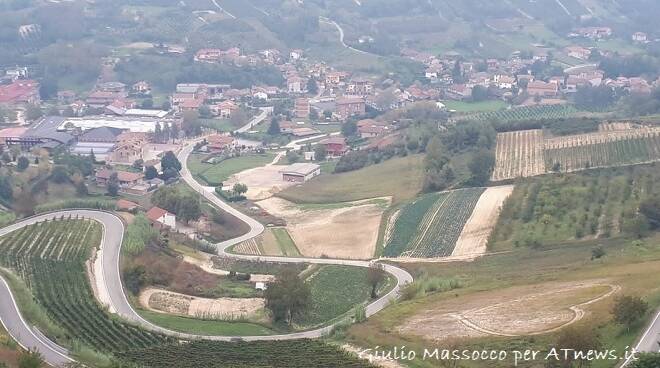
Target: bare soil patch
<point x="159" y="300"/>
<point x="518" y="311"/>
<point x="474" y="236"/>
<point x="347" y="230"/>
<point x="262" y="182"/>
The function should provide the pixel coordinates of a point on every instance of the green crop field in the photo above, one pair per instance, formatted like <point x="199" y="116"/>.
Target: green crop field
<point x="285" y="242"/>
<point x="630" y="150"/>
<point x="430" y="226"/>
<point x="50" y="258"/>
<point x="335" y="291"/>
<point x="204" y="326"/>
<point x="215" y="354"/>
<point x="526" y="113"/>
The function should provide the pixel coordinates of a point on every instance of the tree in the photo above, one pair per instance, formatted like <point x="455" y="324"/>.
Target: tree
<point x="135" y="278"/>
<point x="205" y="112"/>
<point x="481" y="166"/>
<point x="438" y="173"/>
<point x="190" y="123"/>
<point x="150" y="172"/>
<point x="292" y="157"/>
<point x="597" y="252"/>
<point x="375" y="275"/>
<point x="59" y="174"/>
<point x="24" y="202"/>
<point x="577" y="338"/>
<point x="81" y="188"/>
<point x="158" y="132"/>
<point x="33" y="112"/>
<point x="188" y="208"/>
<point x="170" y="161"/>
<point x="240" y="189"/>
<point x="6" y="188"/>
<point x="349" y="129"/>
<point x="647" y="361"/>
<point x="479" y="93"/>
<point x="147" y="104"/>
<point x="22" y="163"/>
<point x="629" y="309"/>
<point x="138" y="164"/>
<point x="48" y="88"/>
<point x="312" y="87"/>
<point x="638" y="225"/>
<point x="320" y="152"/>
<point x="30" y="359"/>
<point x="650" y="208"/>
<point x="113" y="185"/>
<point x="288" y="296"/>
<point x="274" y="127"/>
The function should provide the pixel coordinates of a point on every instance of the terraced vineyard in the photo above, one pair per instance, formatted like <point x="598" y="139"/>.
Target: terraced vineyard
<point x="50" y="258"/>
<point x="611" y="148"/>
<point x="519" y="154"/>
<point x="431" y="226"/>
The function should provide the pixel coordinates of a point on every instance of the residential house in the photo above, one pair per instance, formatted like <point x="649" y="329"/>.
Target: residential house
<point x="217" y="55"/>
<point x="190" y="105"/>
<point x="126" y="179"/>
<point x="504" y="81"/>
<point x="294" y="84"/>
<point x="99" y="99"/>
<point x="117" y="87"/>
<point x="21" y="91"/>
<point x="578" y="52"/>
<point x="66" y="97"/>
<point x="128" y="148"/>
<point x="219" y="143"/>
<point x="360" y="87"/>
<point x="161" y="219"/>
<point x="224" y="109"/>
<point x="371" y="131"/>
<point x="300" y="172"/>
<point x="335" y="146"/>
<point x="543" y="89"/>
<point x="458" y="92"/>
<point x="346" y="107"/>
<point x="296" y="54"/>
<point x="142" y="87"/>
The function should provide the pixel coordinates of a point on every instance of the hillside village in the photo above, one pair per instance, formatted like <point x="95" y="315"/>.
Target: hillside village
<point x="214" y="183"/>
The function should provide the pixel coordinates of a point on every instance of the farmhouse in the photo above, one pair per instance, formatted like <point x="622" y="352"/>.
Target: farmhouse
<point x="300" y="172"/>
<point x="161" y="219"/>
<point x="218" y="143"/>
<point x="335" y="146"/>
<point x="125" y="178"/>
<point x="543" y="89"/>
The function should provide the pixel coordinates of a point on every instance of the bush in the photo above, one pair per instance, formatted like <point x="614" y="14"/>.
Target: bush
<point x="98" y="204"/>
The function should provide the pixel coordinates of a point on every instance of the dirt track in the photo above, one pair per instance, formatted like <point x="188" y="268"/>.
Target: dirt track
<point x="474" y="237"/>
<point x="519" y="311"/>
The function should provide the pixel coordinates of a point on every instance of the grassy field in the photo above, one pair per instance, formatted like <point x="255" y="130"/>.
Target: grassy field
<point x="222" y="125"/>
<point x="217" y="173"/>
<point x="205" y="327"/>
<point x="286" y="244"/>
<point x="627" y="263"/>
<point x="398" y="177"/>
<point x="472" y="107"/>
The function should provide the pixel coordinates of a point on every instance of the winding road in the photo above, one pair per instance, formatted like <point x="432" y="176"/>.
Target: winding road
<point x="110" y="285"/>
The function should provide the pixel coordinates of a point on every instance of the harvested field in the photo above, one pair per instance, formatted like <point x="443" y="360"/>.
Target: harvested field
<point x="345" y="230"/>
<point x="164" y="301"/>
<point x="474" y="237"/>
<point x="250" y="247"/>
<point x="519" y="154"/>
<point x="517" y="311"/>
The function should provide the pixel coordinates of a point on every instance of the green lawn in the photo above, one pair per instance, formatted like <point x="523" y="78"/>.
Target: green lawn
<point x="399" y="177"/>
<point x="285" y="242"/>
<point x="205" y="327"/>
<point x="471" y="107"/>
<point x="216" y="173"/>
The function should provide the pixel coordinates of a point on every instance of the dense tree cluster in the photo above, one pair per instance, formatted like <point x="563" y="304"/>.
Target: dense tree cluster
<point x="185" y="205"/>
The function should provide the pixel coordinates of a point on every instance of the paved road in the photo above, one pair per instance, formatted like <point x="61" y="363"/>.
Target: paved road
<point x="341" y="36"/>
<point x="650" y="340"/>
<point x="254" y="121"/>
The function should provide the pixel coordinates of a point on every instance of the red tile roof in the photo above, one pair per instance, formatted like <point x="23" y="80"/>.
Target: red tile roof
<point x="19" y="91"/>
<point x="155" y="213"/>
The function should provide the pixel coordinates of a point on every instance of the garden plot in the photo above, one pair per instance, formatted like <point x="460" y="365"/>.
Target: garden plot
<point x="519" y="154"/>
<point x="262" y="182"/>
<point x="164" y="301"/>
<point x="474" y="237"/>
<point x="517" y="311"/>
<point x="431" y="226"/>
<point x="343" y="230"/>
